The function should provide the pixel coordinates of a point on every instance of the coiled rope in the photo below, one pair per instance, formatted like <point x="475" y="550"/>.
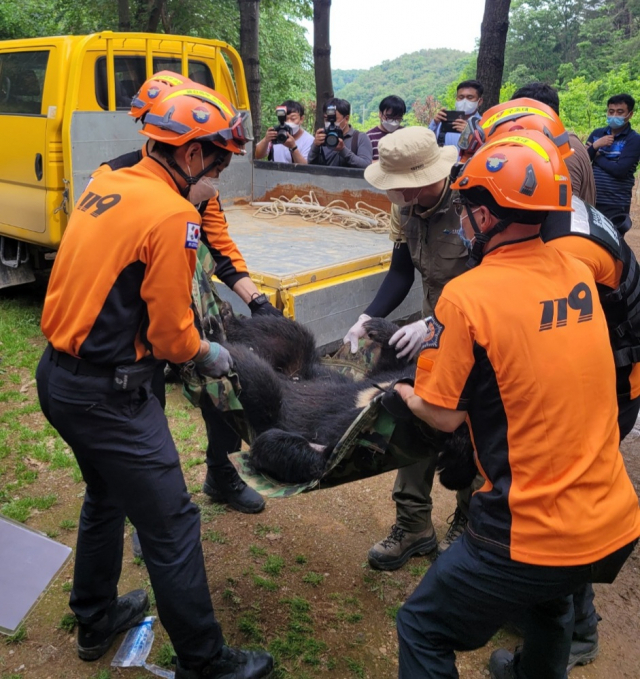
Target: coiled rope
<point x="363" y="217"/>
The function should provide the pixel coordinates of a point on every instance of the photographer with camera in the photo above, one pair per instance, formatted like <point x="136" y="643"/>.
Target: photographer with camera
<point x="337" y="143"/>
<point x="449" y="125"/>
<point x="287" y="142"/>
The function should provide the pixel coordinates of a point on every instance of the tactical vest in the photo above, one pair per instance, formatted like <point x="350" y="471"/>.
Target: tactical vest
<point x="435" y="247"/>
<point x="621" y="306"/>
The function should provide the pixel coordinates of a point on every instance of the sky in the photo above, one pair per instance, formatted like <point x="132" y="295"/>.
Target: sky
<point x="365" y="33"/>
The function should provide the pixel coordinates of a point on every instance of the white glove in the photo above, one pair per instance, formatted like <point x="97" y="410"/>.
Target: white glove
<point x="408" y="339"/>
<point x="216" y="362"/>
<point x="356" y="332"/>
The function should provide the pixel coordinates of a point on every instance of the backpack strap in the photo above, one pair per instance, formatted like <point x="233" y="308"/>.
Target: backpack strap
<point x="354" y="142"/>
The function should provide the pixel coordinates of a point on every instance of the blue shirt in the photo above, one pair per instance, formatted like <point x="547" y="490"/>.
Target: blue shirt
<point x="450" y="138"/>
<point x="614" y="166"/>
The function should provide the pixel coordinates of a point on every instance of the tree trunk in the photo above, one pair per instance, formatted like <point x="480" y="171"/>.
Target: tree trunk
<point x="155" y="15"/>
<point x="493" y="38"/>
<point x="322" y="56"/>
<point x="124" y="16"/>
<point x="249" y="51"/>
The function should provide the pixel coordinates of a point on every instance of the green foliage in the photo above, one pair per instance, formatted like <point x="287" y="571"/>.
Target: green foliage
<point x="411" y="77"/>
<point x="588" y="49"/>
<point x="286" y="62"/>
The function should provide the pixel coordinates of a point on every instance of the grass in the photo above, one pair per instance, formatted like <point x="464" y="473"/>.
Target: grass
<point x="392" y="611"/>
<point x="273" y="565"/>
<point x="265" y="583"/>
<point x="68" y="524"/>
<point x="67" y="622"/>
<point x="298" y="645"/>
<point x="419" y="570"/>
<point x="249" y="625"/>
<point x="262" y="530"/>
<point x="20" y="510"/>
<point x="17" y="637"/>
<point x="215" y="536"/>
<point x="254" y="550"/>
<point x="301" y="559"/>
<point x="312" y="578"/>
<point x="356" y="668"/>
<point x="164" y="655"/>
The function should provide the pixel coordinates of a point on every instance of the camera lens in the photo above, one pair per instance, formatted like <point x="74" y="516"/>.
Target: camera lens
<point x="332" y="139"/>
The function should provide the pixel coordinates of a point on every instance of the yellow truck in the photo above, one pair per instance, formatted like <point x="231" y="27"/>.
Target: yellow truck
<point x="63" y="111"/>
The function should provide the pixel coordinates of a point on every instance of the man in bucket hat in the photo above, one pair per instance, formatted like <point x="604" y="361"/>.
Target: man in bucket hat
<point x="415" y="171"/>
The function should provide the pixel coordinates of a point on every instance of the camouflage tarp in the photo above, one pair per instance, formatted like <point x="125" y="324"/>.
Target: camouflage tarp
<point x="206" y="304"/>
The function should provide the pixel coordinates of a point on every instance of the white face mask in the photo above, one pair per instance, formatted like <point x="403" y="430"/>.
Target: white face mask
<point x="390" y="125"/>
<point x="397" y="198"/>
<point x="466" y="106"/>
<point x="294" y="128"/>
<point x="204" y="189"/>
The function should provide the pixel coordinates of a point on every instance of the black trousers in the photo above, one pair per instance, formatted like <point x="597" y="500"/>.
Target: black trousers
<point x="130" y="464"/>
<point x="468" y="594"/>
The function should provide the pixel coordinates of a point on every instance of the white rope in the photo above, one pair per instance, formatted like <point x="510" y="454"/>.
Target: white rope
<point x="363" y="217"/>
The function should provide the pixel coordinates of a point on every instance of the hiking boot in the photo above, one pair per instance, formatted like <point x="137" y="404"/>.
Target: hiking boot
<point x="584" y="649"/>
<point x="231" y="663"/>
<point x="127" y="611"/>
<point x="502" y="665"/>
<point x="227" y="487"/>
<point x="457" y="526"/>
<point x="399" y="546"/>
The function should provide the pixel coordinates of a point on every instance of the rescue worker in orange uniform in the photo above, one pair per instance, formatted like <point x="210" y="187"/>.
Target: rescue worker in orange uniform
<point x="222" y="483"/>
<point x="588" y="235"/>
<point x="532" y="372"/>
<point x="119" y="301"/>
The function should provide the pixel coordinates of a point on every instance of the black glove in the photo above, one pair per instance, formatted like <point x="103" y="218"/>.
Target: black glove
<point x="261" y="306"/>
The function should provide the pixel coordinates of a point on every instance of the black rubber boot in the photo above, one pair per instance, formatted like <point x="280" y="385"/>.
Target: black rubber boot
<point x="501" y="665"/>
<point x="95" y="639"/>
<point x="231" y="663"/>
<point x="224" y="485"/>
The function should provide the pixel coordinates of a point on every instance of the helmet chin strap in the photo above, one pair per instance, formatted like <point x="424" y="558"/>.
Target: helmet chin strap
<point x="481" y="239"/>
<point x="192" y="179"/>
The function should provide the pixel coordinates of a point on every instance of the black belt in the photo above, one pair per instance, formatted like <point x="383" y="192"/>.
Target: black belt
<point x="79" y="366"/>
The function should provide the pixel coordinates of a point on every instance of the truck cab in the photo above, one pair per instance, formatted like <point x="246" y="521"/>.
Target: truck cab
<point x="63" y="110"/>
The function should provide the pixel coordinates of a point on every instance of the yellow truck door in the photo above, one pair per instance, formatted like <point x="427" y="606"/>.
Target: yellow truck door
<point x="23" y="161"/>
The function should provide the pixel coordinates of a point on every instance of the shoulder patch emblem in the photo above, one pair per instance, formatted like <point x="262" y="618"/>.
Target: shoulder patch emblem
<point x="193" y="236"/>
<point x="434" y="331"/>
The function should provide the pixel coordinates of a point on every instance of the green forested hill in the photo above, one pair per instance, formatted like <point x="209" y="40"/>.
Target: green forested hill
<point x="411" y="76"/>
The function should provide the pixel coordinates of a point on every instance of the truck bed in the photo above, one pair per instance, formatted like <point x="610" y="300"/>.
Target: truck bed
<point x="322" y="275"/>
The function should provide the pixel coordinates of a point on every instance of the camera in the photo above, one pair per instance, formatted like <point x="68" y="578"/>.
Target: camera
<point x="333" y="132"/>
<point x="282" y="129"/>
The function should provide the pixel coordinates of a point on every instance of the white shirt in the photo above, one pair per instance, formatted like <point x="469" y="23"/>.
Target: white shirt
<point x="281" y="154"/>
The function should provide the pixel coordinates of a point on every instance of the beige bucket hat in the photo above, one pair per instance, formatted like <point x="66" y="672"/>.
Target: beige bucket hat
<point x="410" y="158"/>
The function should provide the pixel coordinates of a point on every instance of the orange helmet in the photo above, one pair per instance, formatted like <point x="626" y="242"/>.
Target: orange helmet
<point x="515" y="116"/>
<point x="197" y="113"/>
<point x="153" y="89"/>
<point x="521" y="170"/>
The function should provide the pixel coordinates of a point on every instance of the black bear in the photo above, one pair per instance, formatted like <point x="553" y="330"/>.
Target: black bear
<point x="299" y="421"/>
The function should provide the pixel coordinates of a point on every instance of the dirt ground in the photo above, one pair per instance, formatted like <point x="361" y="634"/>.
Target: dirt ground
<point x="306" y="553"/>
